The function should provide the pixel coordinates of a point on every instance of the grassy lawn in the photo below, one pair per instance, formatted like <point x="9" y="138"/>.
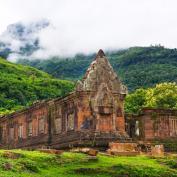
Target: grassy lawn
<point x="37" y="164"/>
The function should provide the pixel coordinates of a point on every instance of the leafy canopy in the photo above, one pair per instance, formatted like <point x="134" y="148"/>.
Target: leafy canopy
<point x="163" y="95"/>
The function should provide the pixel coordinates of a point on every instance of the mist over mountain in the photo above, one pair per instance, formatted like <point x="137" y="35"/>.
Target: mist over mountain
<point x="36" y="44"/>
<point x="137" y="67"/>
<point x="21" y="40"/>
<point x="42" y="40"/>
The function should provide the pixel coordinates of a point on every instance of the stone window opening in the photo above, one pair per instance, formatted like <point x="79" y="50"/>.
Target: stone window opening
<point x="173" y="126"/>
<point x="41" y="125"/>
<point x="29" y="129"/>
<point x="35" y="131"/>
<point x="58" y="111"/>
<point x="137" y="131"/>
<point x="20" y="131"/>
<point x="70" y="122"/>
<point x="58" y="125"/>
<point x="11" y="133"/>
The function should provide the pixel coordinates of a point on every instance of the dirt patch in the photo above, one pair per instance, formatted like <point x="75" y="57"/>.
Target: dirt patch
<point x="7" y="166"/>
<point x="12" y="155"/>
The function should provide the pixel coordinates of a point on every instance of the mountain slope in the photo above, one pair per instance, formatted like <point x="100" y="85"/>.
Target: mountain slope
<point x="137" y="66"/>
<point x="21" y="85"/>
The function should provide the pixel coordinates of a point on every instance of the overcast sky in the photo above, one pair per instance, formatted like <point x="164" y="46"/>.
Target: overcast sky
<point x="87" y="25"/>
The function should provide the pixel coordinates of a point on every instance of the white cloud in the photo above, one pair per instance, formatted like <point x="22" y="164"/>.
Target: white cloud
<point x="87" y="25"/>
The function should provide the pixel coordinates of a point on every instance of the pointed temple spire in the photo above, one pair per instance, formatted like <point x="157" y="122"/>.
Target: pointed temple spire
<point x="100" y="54"/>
<point x="99" y="73"/>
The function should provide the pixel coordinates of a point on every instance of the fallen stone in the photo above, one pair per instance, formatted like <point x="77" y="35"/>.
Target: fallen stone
<point x="157" y="150"/>
<point x="123" y="147"/>
<point x="92" y="152"/>
<point x="89" y="151"/>
<point x="83" y="150"/>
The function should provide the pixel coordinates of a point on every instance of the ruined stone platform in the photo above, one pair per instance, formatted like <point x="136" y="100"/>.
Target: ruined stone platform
<point x="131" y="149"/>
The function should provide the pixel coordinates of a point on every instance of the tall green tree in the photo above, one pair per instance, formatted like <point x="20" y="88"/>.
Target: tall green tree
<point x="163" y="95"/>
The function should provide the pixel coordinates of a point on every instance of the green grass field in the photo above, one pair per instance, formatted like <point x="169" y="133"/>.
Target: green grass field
<point x="37" y="164"/>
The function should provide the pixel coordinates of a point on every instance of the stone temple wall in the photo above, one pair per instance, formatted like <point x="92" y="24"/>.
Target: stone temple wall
<point x="153" y="124"/>
<point x="92" y="115"/>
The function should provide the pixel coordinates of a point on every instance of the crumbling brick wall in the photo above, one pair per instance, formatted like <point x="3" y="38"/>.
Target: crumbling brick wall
<point x="92" y="115"/>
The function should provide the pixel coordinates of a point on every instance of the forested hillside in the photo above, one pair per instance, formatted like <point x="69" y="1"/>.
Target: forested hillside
<point x="137" y="67"/>
<point x="22" y="85"/>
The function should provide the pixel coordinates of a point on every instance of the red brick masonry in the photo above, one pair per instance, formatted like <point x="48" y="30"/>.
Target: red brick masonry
<point x="92" y="115"/>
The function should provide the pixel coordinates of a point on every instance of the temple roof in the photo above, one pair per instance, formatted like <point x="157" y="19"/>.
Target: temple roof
<point x="100" y="54"/>
<point x="100" y="72"/>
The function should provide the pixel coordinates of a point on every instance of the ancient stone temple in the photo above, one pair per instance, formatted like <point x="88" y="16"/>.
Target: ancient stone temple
<point x="153" y="124"/>
<point x="92" y="115"/>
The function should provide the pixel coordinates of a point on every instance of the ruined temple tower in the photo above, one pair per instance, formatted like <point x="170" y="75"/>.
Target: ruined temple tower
<point x="104" y="97"/>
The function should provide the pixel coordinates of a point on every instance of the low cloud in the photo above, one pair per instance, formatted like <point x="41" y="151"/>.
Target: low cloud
<point x="85" y="26"/>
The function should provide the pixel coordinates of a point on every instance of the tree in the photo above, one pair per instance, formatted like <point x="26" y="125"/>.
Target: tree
<point x="163" y="95"/>
<point x="135" y="101"/>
